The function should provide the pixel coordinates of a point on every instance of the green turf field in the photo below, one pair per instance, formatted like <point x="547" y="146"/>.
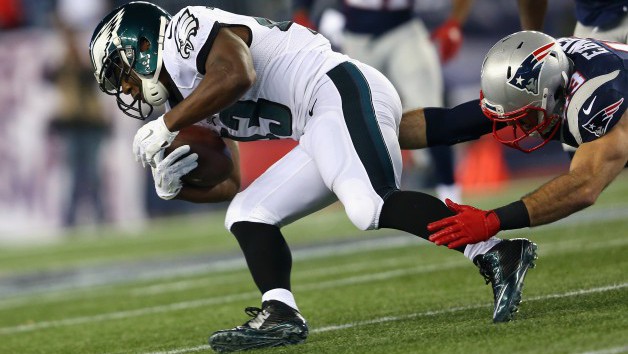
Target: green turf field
<point x="376" y="292"/>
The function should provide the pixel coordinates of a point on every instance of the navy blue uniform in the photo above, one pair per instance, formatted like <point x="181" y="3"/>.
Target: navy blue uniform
<point x="600" y="13"/>
<point x="370" y="17"/>
<point x="596" y="96"/>
<point x="376" y="19"/>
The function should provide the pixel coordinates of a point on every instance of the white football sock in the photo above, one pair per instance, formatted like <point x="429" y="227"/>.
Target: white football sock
<point x="471" y="251"/>
<point x="282" y="295"/>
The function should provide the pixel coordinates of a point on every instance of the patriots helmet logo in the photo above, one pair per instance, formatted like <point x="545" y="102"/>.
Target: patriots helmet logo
<point x="527" y="76"/>
<point x="186" y="28"/>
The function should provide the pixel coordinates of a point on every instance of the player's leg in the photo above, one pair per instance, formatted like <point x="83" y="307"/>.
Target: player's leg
<point x="616" y="33"/>
<point x="353" y="140"/>
<point x="288" y="190"/>
<point x="363" y="47"/>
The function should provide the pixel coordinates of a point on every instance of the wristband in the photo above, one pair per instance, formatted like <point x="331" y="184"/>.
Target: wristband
<point x="513" y="216"/>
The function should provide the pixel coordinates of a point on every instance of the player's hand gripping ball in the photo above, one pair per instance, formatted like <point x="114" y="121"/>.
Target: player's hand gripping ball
<point x="150" y="139"/>
<point x="169" y="170"/>
<point x="214" y="159"/>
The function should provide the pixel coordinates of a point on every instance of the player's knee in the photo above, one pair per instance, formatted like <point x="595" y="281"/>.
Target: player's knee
<point x="362" y="212"/>
<point x="361" y="203"/>
<point x="242" y="208"/>
<point x="234" y="212"/>
<point x="239" y="210"/>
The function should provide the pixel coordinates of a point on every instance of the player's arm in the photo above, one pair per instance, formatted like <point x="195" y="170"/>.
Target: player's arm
<point x="221" y="192"/>
<point x="423" y="127"/>
<point x="532" y="14"/>
<point x="594" y="166"/>
<point x="229" y="73"/>
<point x="460" y="10"/>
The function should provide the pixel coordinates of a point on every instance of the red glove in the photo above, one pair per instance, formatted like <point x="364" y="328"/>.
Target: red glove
<point x="302" y="17"/>
<point x="448" y="38"/>
<point x="469" y="225"/>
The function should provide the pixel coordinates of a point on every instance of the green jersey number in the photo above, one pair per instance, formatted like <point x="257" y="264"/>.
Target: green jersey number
<point x="245" y="116"/>
<point x="283" y="25"/>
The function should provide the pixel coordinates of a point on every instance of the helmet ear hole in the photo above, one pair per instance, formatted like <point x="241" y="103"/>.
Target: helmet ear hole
<point x="509" y="73"/>
<point x="144" y="44"/>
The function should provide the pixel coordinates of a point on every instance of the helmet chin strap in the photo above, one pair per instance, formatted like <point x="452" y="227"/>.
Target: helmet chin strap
<point x="154" y="92"/>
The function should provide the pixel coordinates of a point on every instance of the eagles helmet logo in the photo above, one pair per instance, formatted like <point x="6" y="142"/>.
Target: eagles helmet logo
<point x="102" y="41"/>
<point x="186" y="28"/>
<point x="527" y="76"/>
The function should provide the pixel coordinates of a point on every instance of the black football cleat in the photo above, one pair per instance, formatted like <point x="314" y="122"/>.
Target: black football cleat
<point x="275" y="324"/>
<point x="505" y="267"/>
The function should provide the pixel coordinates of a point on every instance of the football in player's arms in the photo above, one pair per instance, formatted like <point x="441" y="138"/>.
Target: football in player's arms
<point x="214" y="159"/>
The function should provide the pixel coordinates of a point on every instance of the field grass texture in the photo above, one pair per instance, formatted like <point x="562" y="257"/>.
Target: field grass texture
<point x="165" y="289"/>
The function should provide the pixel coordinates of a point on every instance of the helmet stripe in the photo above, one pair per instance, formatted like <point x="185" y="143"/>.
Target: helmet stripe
<point x="542" y="52"/>
<point x="102" y="41"/>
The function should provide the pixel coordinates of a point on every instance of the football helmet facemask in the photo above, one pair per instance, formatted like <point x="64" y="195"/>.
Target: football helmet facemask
<point x="127" y="45"/>
<point x="524" y="79"/>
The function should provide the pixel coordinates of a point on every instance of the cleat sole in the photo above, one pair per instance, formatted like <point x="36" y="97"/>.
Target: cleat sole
<point x="240" y="340"/>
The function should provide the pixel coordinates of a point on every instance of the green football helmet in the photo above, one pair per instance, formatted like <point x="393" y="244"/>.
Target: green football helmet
<point x="127" y="44"/>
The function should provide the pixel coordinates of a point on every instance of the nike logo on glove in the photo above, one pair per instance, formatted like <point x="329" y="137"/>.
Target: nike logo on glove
<point x="588" y="110"/>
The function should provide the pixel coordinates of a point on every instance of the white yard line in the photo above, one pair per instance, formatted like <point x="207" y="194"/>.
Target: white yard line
<point x="315" y="252"/>
<point x="440" y="312"/>
<point x="224" y="299"/>
<point x="551" y="248"/>
<point x="615" y="350"/>
<point x="253" y="295"/>
<point x="186" y="350"/>
<point x="612" y="212"/>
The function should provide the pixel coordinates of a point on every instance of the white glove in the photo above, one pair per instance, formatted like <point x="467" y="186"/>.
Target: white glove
<point x="150" y="139"/>
<point x="169" y="170"/>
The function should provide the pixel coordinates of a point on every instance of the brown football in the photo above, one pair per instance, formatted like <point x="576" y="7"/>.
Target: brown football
<point x="214" y="159"/>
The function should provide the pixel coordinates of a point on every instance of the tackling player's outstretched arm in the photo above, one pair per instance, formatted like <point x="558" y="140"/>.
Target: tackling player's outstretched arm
<point x="594" y="166"/>
<point x="412" y="130"/>
<point x="423" y="127"/>
<point x="229" y="73"/>
<point x="221" y="192"/>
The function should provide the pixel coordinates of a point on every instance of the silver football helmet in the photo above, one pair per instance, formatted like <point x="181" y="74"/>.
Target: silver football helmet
<point x="524" y="81"/>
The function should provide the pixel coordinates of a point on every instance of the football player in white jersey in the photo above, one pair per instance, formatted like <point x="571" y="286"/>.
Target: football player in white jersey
<point x="251" y="79"/>
<point x="389" y="36"/>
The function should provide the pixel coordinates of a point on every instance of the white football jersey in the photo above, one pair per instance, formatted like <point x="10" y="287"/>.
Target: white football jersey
<point x="288" y="58"/>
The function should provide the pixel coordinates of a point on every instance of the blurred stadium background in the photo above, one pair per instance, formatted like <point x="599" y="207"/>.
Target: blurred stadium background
<point x="119" y="270"/>
<point x="42" y="146"/>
